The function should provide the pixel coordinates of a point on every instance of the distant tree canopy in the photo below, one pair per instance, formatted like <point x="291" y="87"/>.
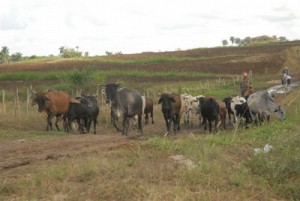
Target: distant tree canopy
<point x="5" y="58"/>
<point x="224" y="42"/>
<point x="255" y="40"/>
<point x="69" y="52"/>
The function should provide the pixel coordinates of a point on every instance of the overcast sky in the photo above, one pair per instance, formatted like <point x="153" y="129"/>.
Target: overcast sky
<point x="40" y="27"/>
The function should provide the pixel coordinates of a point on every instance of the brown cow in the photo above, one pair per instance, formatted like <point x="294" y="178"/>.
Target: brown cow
<point x="222" y="114"/>
<point x="172" y="110"/>
<point x="148" y="109"/>
<point x="54" y="103"/>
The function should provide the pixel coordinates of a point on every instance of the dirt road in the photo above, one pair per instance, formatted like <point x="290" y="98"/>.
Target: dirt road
<point x="17" y="153"/>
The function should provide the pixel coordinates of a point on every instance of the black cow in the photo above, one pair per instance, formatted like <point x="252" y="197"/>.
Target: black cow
<point x="125" y="103"/>
<point x="227" y="102"/>
<point x="242" y="111"/>
<point x="85" y="112"/>
<point x="171" y="107"/>
<point x="209" y="108"/>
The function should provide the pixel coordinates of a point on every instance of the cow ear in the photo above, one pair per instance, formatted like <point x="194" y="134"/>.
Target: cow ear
<point x="159" y="101"/>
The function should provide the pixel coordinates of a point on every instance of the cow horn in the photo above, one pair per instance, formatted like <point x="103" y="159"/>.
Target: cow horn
<point x="32" y="91"/>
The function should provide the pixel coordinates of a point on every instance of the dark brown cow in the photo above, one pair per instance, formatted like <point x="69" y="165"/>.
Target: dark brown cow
<point x="148" y="109"/>
<point x="54" y="103"/>
<point x="171" y="109"/>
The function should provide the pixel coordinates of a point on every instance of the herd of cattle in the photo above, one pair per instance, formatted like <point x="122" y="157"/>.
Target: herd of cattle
<point x="127" y="103"/>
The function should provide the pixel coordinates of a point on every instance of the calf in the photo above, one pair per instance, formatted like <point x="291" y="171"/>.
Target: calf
<point x="191" y="104"/>
<point x="222" y="114"/>
<point x="236" y="100"/>
<point x="227" y="102"/>
<point x="87" y="111"/>
<point x="148" y="109"/>
<point x="210" y="112"/>
<point x="242" y="111"/>
<point x="172" y="110"/>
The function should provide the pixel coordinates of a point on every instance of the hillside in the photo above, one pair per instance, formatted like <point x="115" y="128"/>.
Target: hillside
<point x="267" y="59"/>
<point x="221" y="60"/>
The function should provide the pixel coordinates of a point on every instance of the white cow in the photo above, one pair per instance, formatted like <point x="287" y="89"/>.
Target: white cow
<point x="192" y="107"/>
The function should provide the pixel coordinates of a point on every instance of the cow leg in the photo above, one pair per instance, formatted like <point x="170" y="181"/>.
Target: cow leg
<point x="125" y="126"/>
<point x="114" y="120"/>
<point x="146" y="118"/>
<point x="56" y="121"/>
<point x="205" y="123"/>
<point x="210" y="126"/>
<point x="49" y="123"/>
<point x="152" y="116"/>
<point x="178" y="121"/>
<point x="168" y="122"/>
<point x="174" y="120"/>
<point x="140" y="125"/>
<point x="95" y="122"/>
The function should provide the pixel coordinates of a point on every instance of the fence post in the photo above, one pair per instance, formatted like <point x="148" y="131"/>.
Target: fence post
<point x="17" y="99"/>
<point x="3" y="100"/>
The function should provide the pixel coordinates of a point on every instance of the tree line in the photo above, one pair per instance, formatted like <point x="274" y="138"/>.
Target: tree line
<point x="6" y="57"/>
<point x="253" y="41"/>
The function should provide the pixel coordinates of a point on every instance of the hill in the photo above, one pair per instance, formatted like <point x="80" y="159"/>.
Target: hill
<point x="267" y="59"/>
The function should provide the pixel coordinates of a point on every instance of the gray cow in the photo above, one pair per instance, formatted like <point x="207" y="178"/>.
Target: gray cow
<point x="261" y="105"/>
<point x="125" y="103"/>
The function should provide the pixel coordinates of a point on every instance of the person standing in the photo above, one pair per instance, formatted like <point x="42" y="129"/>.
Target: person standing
<point x="245" y="82"/>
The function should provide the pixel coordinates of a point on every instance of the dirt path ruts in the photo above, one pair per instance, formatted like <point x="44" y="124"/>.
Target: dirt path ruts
<point x="24" y="152"/>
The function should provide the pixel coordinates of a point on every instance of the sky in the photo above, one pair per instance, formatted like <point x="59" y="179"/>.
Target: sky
<point x="41" y="27"/>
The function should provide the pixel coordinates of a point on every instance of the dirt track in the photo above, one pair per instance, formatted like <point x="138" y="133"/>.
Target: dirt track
<point x="22" y="152"/>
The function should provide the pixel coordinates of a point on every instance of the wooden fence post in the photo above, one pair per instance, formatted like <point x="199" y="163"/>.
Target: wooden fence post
<point x="3" y="101"/>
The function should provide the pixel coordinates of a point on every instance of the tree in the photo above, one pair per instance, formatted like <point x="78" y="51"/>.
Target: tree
<point x="4" y="55"/>
<point x="224" y="42"/>
<point x="237" y="41"/>
<point x="283" y="39"/>
<point x="61" y="50"/>
<point x="77" y="47"/>
<point x="232" y="39"/>
<point x="16" y="57"/>
<point x="69" y="52"/>
<point x="86" y="54"/>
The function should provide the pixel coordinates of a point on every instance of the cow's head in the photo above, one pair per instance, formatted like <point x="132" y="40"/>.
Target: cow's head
<point x="41" y="100"/>
<point x="280" y="113"/>
<point x="111" y="91"/>
<point x="166" y="102"/>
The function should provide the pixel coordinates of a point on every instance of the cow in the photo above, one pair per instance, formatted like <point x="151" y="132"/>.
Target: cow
<point x="209" y="108"/>
<point x="227" y="102"/>
<point x="54" y="103"/>
<point x="222" y="113"/>
<point x="148" y="109"/>
<point x="236" y="100"/>
<point x="191" y="104"/>
<point x="171" y="107"/>
<point x="242" y="111"/>
<point x="87" y="111"/>
<point x="125" y="103"/>
<point x="261" y="105"/>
